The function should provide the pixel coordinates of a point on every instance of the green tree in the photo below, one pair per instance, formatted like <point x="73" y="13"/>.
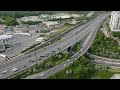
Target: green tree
<point x="10" y="21"/>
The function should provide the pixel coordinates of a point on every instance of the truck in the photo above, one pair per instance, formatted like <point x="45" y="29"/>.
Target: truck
<point x="2" y="55"/>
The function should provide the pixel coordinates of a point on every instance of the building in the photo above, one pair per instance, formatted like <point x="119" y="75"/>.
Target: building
<point x="4" y="41"/>
<point x="51" y="25"/>
<point x="40" y="39"/>
<point x="90" y="14"/>
<point x="115" y="21"/>
<point x="60" y="15"/>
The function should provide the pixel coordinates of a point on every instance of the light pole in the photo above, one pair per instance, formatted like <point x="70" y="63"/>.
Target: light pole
<point x="35" y="55"/>
<point x="76" y="37"/>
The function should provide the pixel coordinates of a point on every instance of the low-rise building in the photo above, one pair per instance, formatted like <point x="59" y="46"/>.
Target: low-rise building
<point x="51" y="25"/>
<point x="40" y="39"/>
<point x="60" y="15"/>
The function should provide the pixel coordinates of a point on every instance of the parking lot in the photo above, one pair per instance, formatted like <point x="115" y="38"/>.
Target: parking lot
<point x="24" y="42"/>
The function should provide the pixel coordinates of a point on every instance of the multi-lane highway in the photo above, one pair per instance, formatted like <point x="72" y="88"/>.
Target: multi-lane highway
<point x="53" y="70"/>
<point x="46" y="52"/>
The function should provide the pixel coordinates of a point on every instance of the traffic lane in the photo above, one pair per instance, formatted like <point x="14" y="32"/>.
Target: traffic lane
<point x="108" y="63"/>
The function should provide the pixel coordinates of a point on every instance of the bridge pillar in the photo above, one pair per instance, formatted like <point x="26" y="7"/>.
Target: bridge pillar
<point x="69" y="49"/>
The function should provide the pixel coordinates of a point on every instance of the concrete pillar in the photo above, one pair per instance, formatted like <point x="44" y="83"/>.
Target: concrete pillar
<point x="69" y="49"/>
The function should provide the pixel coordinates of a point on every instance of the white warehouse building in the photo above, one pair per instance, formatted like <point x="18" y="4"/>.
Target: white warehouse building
<point x="115" y="21"/>
<point x="4" y="41"/>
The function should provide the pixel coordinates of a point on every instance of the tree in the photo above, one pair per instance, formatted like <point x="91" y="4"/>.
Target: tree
<point x="10" y="21"/>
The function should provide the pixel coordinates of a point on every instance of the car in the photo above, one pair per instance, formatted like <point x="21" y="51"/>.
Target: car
<point x="29" y="55"/>
<point x="9" y="33"/>
<point x="4" y="71"/>
<point x="64" y="64"/>
<point x="68" y="60"/>
<point x="37" y="36"/>
<point x="24" y="66"/>
<point x="1" y="76"/>
<point x="15" y="69"/>
<point x="42" y="75"/>
<point x="31" y="61"/>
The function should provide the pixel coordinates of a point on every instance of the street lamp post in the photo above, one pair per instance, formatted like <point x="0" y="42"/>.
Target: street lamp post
<point x="35" y="55"/>
<point x="76" y="37"/>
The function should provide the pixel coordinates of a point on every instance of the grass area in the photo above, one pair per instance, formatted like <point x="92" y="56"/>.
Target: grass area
<point x="107" y="74"/>
<point x="114" y="69"/>
<point x="76" y="47"/>
<point x="116" y="34"/>
<point x="104" y="75"/>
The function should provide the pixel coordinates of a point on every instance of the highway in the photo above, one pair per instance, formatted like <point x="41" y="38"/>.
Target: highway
<point x="46" y="52"/>
<point x="56" y="68"/>
<point x="105" y="61"/>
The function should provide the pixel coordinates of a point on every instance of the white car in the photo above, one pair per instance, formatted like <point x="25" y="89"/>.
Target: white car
<point x="42" y="75"/>
<point x="68" y="60"/>
<point x="15" y="69"/>
<point x="5" y="71"/>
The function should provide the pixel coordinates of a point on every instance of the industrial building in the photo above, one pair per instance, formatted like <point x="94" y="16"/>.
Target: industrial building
<point x="4" y="41"/>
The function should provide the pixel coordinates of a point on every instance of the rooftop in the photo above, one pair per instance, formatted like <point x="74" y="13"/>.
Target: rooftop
<point x="5" y="37"/>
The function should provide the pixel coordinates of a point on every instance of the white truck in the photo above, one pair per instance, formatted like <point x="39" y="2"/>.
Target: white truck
<point x="2" y="55"/>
